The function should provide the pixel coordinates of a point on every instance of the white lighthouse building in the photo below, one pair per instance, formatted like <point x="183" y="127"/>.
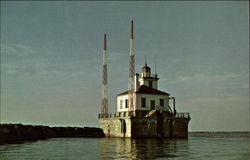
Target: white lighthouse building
<point x="147" y="97"/>
<point x="143" y="110"/>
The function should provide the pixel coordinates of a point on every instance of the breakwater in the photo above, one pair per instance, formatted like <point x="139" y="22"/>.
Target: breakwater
<point x="18" y="133"/>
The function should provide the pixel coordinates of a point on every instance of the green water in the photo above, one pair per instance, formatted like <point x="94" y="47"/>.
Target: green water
<point x="197" y="147"/>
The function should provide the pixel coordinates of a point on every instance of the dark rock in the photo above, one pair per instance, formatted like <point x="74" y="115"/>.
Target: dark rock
<point x="16" y="133"/>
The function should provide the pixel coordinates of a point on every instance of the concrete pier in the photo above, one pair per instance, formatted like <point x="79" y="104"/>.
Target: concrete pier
<point x="159" y="124"/>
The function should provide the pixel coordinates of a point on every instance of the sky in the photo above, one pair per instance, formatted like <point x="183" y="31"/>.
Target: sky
<point x="51" y="59"/>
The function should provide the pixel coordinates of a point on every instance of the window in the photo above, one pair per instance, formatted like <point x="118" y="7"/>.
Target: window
<point x="126" y="103"/>
<point x="143" y="102"/>
<point x="120" y="104"/>
<point x="161" y="102"/>
<point x="152" y="104"/>
<point x="150" y="84"/>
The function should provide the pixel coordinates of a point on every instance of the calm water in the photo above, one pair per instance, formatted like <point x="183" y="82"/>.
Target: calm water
<point x="197" y="146"/>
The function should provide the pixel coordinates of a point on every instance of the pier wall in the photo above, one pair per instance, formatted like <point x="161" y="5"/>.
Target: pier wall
<point x="116" y="127"/>
<point x="180" y="127"/>
<point x="145" y="127"/>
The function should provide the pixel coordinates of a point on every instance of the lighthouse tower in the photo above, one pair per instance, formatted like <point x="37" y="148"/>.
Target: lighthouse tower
<point x="143" y="110"/>
<point x="147" y="78"/>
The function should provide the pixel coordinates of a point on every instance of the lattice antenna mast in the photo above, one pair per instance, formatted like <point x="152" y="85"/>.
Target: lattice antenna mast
<point x="131" y="69"/>
<point x="104" y="101"/>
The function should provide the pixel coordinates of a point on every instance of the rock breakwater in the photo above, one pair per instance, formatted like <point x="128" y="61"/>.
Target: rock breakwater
<point x="18" y="133"/>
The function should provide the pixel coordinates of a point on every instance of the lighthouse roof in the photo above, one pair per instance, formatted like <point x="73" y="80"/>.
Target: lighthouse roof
<point x="146" y="68"/>
<point x="146" y="90"/>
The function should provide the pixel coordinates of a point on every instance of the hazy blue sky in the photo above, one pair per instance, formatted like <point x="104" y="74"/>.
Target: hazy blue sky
<point x="51" y="56"/>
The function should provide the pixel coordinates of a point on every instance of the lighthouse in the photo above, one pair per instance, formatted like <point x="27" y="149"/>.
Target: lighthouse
<point x="143" y="110"/>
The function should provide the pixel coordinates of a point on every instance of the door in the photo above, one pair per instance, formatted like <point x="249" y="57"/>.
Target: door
<point x="152" y="104"/>
<point x="123" y="126"/>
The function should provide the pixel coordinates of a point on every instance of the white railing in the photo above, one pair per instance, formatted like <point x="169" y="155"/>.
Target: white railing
<point x="122" y="114"/>
<point x="148" y="75"/>
<point x="182" y="115"/>
<point x="108" y="115"/>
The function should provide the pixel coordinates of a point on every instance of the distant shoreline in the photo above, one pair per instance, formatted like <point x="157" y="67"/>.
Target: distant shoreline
<point x="222" y="132"/>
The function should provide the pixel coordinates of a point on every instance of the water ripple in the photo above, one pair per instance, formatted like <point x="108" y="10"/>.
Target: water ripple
<point x="206" y="147"/>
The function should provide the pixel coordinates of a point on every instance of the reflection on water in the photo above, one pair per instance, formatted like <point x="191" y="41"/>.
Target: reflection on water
<point x="142" y="148"/>
<point x="196" y="147"/>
